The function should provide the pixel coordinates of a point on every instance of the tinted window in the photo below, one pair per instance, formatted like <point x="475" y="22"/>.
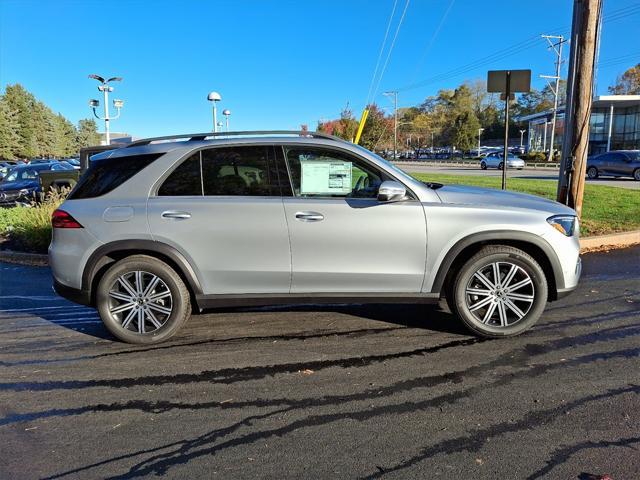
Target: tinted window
<point x="317" y="172"/>
<point x="105" y="175"/>
<point x="185" y="180"/>
<point x="238" y="171"/>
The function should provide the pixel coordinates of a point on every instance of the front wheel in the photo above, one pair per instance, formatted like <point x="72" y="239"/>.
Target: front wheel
<point x="592" y="172"/>
<point x="636" y="174"/>
<point x="483" y="165"/>
<point x="499" y="292"/>
<point x="142" y="300"/>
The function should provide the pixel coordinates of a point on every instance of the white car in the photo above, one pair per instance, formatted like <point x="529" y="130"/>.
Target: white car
<point x="494" y="160"/>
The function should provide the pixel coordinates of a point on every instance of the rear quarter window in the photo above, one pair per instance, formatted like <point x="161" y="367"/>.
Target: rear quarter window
<point x="105" y="175"/>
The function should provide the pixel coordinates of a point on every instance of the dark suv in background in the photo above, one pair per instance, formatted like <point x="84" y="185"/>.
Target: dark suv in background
<point x="620" y="163"/>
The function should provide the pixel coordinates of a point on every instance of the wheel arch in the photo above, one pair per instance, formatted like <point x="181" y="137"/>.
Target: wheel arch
<point x="104" y="256"/>
<point x="532" y="244"/>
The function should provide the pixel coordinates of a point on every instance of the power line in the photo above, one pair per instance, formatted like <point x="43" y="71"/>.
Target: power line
<point x="513" y="50"/>
<point x="384" y="42"/>
<point x="393" y="42"/>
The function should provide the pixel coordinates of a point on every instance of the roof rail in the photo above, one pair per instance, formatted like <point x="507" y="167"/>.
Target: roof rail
<point x="203" y="136"/>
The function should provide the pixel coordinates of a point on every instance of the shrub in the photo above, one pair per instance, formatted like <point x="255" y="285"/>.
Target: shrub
<point x="29" y="228"/>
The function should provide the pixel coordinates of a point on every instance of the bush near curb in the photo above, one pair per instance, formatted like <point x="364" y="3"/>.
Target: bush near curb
<point x="28" y="229"/>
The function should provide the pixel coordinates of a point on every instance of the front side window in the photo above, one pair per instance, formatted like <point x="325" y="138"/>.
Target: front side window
<point x="238" y="171"/>
<point x="317" y="172"/>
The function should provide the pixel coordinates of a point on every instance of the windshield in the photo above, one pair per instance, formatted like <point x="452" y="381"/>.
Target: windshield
<point x="21" y="174"/>
<point x="391" y="166"/>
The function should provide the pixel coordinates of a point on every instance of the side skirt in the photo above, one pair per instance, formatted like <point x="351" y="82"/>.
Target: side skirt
<point x="267" y="299"/>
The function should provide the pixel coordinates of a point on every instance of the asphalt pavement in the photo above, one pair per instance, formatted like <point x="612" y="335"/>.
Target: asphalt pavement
<point x="343" y="391"/>
<point x="532" y="173"/>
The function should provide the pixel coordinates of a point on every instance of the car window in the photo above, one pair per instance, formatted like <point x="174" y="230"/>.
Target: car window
<point x="239" y="171"/>
<point x="106" y="174"/>
<point x="318" y="172"/>
<point x="22" y="174"/>
<point x="185" y="180"/>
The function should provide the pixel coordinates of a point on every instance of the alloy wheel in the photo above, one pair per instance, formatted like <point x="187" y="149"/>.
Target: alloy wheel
<point x="500" y="294"/>
<point x="140" y="301"/>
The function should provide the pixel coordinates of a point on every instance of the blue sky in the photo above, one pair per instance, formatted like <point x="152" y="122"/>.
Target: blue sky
<point x="277" y="64"/>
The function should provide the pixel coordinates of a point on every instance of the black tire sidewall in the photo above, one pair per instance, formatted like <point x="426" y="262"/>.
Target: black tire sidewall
<point x="636" y="174"/>
<point x="592" y="169"/>
<point x="483" y="165"/>
<point x="540" y="296"/>
<point x="168" y="276"/>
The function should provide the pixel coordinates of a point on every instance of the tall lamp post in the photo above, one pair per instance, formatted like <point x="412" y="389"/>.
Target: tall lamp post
<point x="522" y="132"/>
<point x="214" y="97"/>
<point x="105" y="88"/>
<point x="480" y="130"/>
<point x="227" y="114"/>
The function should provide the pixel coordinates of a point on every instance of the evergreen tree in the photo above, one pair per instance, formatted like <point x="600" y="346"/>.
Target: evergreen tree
<point x="87" y="133"/>
<point x="9" y="140"/>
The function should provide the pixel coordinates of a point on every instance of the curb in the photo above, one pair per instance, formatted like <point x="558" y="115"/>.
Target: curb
<point x="22" y="258"/>
<point x="587" y="244"/>
<point x="609" y="242"/>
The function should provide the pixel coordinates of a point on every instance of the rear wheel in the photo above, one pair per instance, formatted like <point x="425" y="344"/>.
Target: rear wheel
<point x="592" y="172"/>
<point x="501" y="291"/>
<point x="142" y="300"/>
<point x="500" y="166"/>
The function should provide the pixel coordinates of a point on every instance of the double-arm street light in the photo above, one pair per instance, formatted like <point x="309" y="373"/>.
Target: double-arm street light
<point x="105" y="88"/>
<point x="522" y="132"/>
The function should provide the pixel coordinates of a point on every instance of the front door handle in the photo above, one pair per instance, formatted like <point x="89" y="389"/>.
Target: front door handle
<point x="309" y="216"/>
<point x="176" y="215"/>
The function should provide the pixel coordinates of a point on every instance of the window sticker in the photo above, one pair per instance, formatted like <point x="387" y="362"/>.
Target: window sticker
<point x="328" y="177"/>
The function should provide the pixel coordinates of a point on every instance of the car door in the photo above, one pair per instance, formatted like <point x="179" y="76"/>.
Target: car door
<point x="492" y="160"/>
<point x="222" y="208"/>
<point x="618" y="164"/>
<point x="342" y="238"/>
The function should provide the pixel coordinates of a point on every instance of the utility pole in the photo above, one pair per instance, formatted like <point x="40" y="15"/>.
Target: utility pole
<point x="557" y="47"/>
<point x="585" y="29"/>
<point x="395" y="121"/>
<point x="480" y="130"/>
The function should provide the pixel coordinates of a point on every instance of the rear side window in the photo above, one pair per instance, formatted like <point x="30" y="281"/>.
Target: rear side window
<point x="238" y="171"/>
<point x="185" y="180"/>
<point x="105" y="175"/>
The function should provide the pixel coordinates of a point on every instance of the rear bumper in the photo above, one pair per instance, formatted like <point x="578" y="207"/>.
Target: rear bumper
<point x="76" y="295"/>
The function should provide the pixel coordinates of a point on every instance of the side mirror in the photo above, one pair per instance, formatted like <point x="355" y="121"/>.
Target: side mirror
<point x="390" y="191"/>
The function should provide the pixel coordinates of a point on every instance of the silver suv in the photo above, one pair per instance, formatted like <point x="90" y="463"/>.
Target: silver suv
<point x="170" y="224"/>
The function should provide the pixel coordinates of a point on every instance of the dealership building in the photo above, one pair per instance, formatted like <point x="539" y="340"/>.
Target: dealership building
<point x="614" y="125"/>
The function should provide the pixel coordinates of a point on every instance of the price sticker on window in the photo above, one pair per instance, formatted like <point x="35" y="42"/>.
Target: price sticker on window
<point x="325" y="177"/>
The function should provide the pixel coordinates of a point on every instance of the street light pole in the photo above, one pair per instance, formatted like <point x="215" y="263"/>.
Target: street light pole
<point x="522" y="132"/>
<point x="105" y="88"/>
<point x="227" y="114"/>
<point x="480" y="130"/>
<point x="214" y="97"/>
<point x="395" y="121"/>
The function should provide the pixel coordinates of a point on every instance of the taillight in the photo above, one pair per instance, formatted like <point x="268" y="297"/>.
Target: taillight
<point x="61" y="219"/>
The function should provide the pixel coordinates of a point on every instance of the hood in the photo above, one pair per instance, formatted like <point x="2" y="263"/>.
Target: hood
<point x="489" y="197"/>
<point x="19" y="185"/>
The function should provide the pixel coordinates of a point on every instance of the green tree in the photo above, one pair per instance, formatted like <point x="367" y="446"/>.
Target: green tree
<point x="378" y="130"/>
<point x="87" y="133"/>
<point x="65" y="138"/>
<point x="628" y="83"/>
<point x="9" y="140"/>
<point x="23" y="103"/>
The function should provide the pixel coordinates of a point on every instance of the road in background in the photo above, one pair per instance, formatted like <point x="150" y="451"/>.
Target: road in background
<point x="382" y="391"/>
<point x="537" y="174"/>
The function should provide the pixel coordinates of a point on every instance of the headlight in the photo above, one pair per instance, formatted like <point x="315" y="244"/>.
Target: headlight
<point x="565" y="224"/>
<point x="24" y="191"/>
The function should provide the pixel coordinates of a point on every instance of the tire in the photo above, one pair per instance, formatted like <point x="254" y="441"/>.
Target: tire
<point x="483" y="165"/>
<point x="500" y="166"/>
<point x="163" y="310"/>
<point x="496" y="318"/>
<point x="636" y="174"/>
<point x="592" y="172"/>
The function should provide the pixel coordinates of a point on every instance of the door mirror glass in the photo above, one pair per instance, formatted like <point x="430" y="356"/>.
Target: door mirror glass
<point x="391" y="190"/>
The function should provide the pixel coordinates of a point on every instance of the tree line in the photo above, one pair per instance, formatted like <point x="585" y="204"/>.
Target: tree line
<point x="453" y="117"/>
<point x="29" y="129"/>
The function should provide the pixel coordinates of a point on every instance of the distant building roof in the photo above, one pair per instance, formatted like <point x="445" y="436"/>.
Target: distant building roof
<point x="598" y="102"/>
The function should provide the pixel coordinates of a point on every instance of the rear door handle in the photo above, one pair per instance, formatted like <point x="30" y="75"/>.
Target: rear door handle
<point x="176" y="215"/>
<point x="309" y="216"/>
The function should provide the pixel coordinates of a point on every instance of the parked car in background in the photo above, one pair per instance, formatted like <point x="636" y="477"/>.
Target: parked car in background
<point x="163" y="224"/>
<point x="4" y="168"/>
<point x="618" y="163"/>
<point x="74" y="162"/>
<point x="495" y="160"/>
<point x="22" y="185"/>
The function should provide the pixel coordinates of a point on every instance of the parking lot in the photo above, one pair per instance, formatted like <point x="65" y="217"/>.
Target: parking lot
<point x="343" y="391"/>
